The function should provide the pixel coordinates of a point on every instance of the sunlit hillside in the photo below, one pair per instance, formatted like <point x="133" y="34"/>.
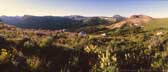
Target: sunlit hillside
<point x="161" y="23"/>
<point x="130" y="48"/>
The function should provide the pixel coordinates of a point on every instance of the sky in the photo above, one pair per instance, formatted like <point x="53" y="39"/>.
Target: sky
<point x="154" y="8"/>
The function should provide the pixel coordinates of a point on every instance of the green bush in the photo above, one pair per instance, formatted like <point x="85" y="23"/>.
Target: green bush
<point x="45" y="42"/>
<point x="106" y="59"/>
<point x="29" y="44"/>
<point x="33" y="62"/>
<point x="4" y="55"/>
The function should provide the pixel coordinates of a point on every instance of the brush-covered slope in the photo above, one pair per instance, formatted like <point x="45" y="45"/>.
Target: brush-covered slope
<point x="123" y="49"/>
<point x="158" y="23"/>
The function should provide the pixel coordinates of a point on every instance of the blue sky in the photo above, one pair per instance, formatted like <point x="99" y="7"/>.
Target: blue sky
<point x="154" y="8"/>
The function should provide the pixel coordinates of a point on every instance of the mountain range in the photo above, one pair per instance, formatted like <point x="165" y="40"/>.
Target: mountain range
<point x="58" y="22"/>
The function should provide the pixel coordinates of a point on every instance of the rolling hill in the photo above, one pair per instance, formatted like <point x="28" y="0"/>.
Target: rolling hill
<point x="128" y="48"/>
<point x="56" y="22"/>
<point x="134" y="20"/>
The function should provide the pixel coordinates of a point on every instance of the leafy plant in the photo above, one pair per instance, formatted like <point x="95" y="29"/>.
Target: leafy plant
<point x="45" y="42"/>
<point x="29" y="44"/>
<point x="4" y="55"/>
<point x="33" y="62"/>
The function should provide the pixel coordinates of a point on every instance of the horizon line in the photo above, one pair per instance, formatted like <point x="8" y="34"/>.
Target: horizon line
<point x="79" y="15"/>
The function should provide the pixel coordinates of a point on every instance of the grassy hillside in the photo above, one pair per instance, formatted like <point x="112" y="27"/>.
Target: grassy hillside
<point x="128" y="49"/>
<point x="155" y="24"/>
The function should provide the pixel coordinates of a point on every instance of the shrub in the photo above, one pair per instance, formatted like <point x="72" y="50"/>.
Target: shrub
<point x="45" y="42"/>
<point x="4" y="54"/>
<point x="106" y="59"/>
<point x="29" y="44"/>
<point x="33" y="62"/>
